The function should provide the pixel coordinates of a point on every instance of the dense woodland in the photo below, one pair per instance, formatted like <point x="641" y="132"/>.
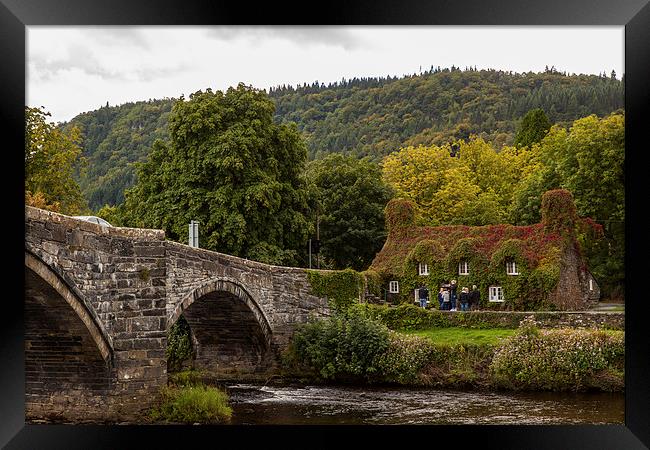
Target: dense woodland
<point x="263" y="171"/>
<point x="360" y="117"/>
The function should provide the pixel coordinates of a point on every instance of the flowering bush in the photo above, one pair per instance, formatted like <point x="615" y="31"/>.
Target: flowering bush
<point x="561" y="359"/>
<point x="404" y="359"/>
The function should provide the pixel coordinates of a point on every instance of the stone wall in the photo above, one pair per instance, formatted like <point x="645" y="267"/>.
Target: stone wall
<point x="116" y="277"/>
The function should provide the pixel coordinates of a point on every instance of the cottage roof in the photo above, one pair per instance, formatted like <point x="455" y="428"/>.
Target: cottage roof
<point x="535" y="241"/>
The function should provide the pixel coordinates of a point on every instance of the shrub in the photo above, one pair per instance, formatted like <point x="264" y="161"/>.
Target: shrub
<point x="561" y="359"/>
<point x="411" y="317"/>
<point x="404" y="358"/>
<point x="192" y="404"/>
<point x="458" y="365"/>
<point x="344" y="347"/>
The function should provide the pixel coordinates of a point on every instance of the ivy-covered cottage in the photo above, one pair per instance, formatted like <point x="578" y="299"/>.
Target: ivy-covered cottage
<point x="531" y="267"/>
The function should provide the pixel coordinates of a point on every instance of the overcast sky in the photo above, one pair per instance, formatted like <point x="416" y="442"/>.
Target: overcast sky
<point x="77" y="69"/>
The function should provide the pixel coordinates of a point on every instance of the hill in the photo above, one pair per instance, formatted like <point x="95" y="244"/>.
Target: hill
<point x="362" y="117"/>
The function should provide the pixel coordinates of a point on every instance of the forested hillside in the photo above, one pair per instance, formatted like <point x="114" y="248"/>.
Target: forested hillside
<point x="374" y="117"/>
<point x="361" y="117"/>
<point x="113" y="138"/>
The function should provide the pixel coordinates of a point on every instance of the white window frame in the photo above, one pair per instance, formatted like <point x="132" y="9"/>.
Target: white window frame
<point x="495" y="294"/>
<point x="591" y="284"/>
<point x="423" y="269"/>
<point x="393" y="287"/>
<point x="514" y="270"/>
<point x="465" y="265"/>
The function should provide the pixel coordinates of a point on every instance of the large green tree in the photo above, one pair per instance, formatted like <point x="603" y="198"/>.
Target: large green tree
<point x="350" y="199"/>
<point x="229" y="166"/>
<point x="51" y="157"/>
<point x="534" y="126"/>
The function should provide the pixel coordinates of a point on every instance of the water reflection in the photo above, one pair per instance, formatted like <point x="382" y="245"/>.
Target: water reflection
<point x="346" y="405"/>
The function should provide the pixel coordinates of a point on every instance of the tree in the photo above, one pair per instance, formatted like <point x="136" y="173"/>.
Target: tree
<point x="229" y="166"/>
<point x="588" y="160"/>
<point x="350" y="199"/>
<point x="51" y="157"/>
<point x="533" y="128"/>
<point x="475" y="189"/>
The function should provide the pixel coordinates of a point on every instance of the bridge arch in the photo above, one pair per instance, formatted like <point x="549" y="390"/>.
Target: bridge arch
<point x="68" y="357"/>
<point x="74" y="299"/>
<point x="230" y="332"/>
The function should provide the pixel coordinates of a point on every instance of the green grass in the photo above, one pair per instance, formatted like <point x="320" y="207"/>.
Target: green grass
<point x="457" y="335"/>
<point x="192" y="404"/>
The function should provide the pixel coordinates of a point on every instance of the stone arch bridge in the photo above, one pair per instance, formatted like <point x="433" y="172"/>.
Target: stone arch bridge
<point x="99" y="302"/>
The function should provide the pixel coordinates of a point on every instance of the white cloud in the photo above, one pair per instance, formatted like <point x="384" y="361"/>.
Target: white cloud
<point x="76" y="69"/>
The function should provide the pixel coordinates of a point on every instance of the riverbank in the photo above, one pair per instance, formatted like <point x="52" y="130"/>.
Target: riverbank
<point x="358" y="348"/>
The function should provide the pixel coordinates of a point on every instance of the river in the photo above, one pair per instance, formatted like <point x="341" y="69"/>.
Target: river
<point x="323" y="405"/>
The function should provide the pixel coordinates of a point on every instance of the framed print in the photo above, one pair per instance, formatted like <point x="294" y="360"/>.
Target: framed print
<point x="158" y="286"/>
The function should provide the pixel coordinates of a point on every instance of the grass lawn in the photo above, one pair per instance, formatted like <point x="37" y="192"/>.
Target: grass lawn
<point x="457" y="335"/>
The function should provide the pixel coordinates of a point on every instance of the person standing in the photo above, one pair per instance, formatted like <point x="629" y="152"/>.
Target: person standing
<point x="424" y="295"/>
<point x="452" y="295"/>
<point x="474" y="298"/>
<point x="464" y="299"/>
<point x="445" y="300"/>
<point x="441" y="298"/>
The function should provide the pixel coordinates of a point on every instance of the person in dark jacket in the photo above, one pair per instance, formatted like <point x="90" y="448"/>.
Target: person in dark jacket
<point x="474" y="298"/>
<point x="424" y="295"/>
<point x="452" y="295"/>
<point x="464" y="299"/>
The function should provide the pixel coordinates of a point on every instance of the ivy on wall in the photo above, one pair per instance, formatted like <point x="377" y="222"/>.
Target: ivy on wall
<point x="537" y="250"/>
<point x="341" y="287"/>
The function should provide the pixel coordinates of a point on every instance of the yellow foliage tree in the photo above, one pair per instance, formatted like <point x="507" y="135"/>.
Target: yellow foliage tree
<point x="474" y="189"/>
<point x="50" y="158"/>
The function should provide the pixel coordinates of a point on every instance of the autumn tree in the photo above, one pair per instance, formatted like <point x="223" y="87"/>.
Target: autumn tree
<point x="51" y="157"/>
<point x="473" y="189"/>
<point x="588" y="160"/>
<point x="229" y="166"/>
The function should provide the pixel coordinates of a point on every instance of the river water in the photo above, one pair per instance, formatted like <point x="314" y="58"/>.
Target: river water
<point x="323" y="405"/>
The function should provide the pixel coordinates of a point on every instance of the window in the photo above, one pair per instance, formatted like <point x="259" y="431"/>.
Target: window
<point x="423" y="269"/>
<point x="463" y="268"/>
<point x="393" y="287"/>
<point x="496" y="294"/>
<point x="591" y="284"/>
<point x="511" y="268"/>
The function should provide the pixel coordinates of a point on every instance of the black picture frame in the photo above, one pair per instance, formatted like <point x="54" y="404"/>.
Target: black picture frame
<point x="15" y="15"/>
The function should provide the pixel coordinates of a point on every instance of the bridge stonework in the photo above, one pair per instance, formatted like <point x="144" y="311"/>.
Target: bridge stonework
<point x="99" y="302"/>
